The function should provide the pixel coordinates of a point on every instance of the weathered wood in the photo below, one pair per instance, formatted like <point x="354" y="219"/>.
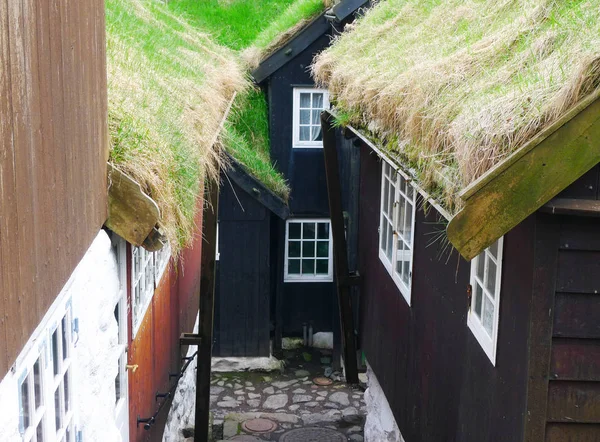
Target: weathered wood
<point x="566" y="206"/>
<point x="540" y="328"/>
<point x="340" y="251"/>
<point x="578" y="272"/>
<point x="527" y="179"/>
<point x="131" y="213"/>
<point x="575" y="360"/>
<point x="572" y="433"/>
<point x="576" y="316"/>
<point x="574" y="402"/>
<point x="154" y="241"/>
<point x="345" y="8"/>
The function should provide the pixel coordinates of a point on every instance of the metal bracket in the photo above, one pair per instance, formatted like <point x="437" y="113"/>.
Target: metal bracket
<point x="190" y="339"/>
<point x="158" y="395"/>
<point x="148" y="422"/>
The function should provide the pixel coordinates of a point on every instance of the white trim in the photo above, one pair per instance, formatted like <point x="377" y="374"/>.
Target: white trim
<point x="304" y="278"/>
<point x="296" y="143"/>
<point x="401" y="199"/>
<point x="488" y="343"/>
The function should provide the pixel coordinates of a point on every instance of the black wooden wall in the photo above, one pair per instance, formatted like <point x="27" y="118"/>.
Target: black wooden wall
<point x="438" y="381"/>
<point x="243" y="290"/>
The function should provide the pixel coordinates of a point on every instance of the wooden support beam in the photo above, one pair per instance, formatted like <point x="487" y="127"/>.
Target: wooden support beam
<point x="527" y="179"/>
<point x="190" y="339"/>
<point x="569" y="206"/>
<point x="206" y="313"/>
<point x="340" y="254"/>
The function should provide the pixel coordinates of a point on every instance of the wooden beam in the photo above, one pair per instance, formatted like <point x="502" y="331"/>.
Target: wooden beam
<point x="206" y="313"/>
<point x="570" y="206"/>
<point x="340" y="254"/>
<point x="527" y="179"/>
<point x="131" y="213"/>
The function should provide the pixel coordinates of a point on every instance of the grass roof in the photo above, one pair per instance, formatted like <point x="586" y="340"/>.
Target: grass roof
<point x="453" y="87"/>
<point x="169" y="85"/>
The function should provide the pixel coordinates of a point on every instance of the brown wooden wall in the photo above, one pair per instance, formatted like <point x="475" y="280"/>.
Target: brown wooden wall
<point x="53" y="153"/>
<point x="440" y="384"/>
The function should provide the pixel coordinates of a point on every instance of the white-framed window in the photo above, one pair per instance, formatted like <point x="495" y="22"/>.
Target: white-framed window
<point x="308" y="251"/>
<point x="308" y="105"/>
<point x="484" y="312"/>
<point x="45" y="384"/>
<point x="147" y="270"/>
<point x="397" y="227"/>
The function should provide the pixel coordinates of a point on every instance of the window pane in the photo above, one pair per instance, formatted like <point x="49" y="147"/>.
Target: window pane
<point x="308" y="249"/>
<point x="386" y="197"/>
<point x="304" y="133"/>
<point x="494" y="249"/>
<point x="317" y="100"/>
<point x="308" y="231"/>
<point x="57" y="415"/>
<point x="406" y="272"/>
<point x="305" y="99"/>
<point x="478" y="300"/>
<point x="392" y="199"/>
<point x="294" y="249"/>
<point x="55" y="355"/>
<point x="479" y="262"/>
<point x="323" y="231"/>
<point x="308" y="266"/>
<point x="401" y="218"/>
<point x="294" y="230"/>
<point x="316" y="134"/>
<point x="304" y="117"/>
<point x="390" y="238"/>
<point x="118" y="386"/>
<point x="37" y="384"/>
<point x="294" y="266"/>
<point x="323" y="249"/>
<point x="39" y="431"/>
<point x="488" y="316"/>
<point x="67" y="398"/>
<point x="491" y="277"/>
<point x="322" y="267"/>
<point x="408" y="223"/>
<point x="409" y="191"/>
<point x="25" y="402"/>
<point x="65" y="337"/>
<point x="316" y="117"/>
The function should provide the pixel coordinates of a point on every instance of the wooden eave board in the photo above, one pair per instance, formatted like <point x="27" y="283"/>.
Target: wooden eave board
<point x="527" y="179"/>
<point x="291" y="49"/>
<point x="131" y="213"/>
<point x="239" y="175"/>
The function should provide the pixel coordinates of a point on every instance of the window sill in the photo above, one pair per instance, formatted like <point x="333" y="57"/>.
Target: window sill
<point x="292" y="280"/>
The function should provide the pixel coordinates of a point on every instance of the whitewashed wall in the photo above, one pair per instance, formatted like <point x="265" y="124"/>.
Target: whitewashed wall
<point x="93" y="290"/>
<point x="380" y="425"/>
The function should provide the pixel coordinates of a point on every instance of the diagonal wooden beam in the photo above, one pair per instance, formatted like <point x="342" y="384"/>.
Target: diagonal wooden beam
<point x="527" y="179"/>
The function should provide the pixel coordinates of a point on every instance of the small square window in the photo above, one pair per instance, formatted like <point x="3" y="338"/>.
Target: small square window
<point x="483" y="316"/>
<point x="308" y="251"/>
<point x="308" y="105"/>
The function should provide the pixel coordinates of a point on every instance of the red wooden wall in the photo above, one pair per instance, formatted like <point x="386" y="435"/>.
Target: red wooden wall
<point x="53" y="153"/>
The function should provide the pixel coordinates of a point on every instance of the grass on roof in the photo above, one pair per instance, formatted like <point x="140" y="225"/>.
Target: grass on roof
<point x="168" y="87"/>
<point x="453" y="87"/>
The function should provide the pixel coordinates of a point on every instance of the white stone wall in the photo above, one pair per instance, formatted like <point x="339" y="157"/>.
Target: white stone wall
<point x="93" y="290"/>
<point x="380" y="425"/>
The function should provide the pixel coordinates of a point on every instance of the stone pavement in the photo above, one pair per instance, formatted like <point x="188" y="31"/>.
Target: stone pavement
<point x="289" y="398"/>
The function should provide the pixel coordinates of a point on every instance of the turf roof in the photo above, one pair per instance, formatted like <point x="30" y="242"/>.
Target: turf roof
<point x="450" y="88"/>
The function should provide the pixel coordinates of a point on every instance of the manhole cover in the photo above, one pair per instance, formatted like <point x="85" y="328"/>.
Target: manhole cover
<point x="312" y="434"/>
<point x="322" y="381"/>
<point x="246" y="438"/>
<point x="259" y="425"/>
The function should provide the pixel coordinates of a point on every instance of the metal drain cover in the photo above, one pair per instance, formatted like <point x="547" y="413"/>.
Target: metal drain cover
<point x="246" y="438"/>
<point x="322" y="381"/>
<point x="312" y="434"/>
<point x="259" y="426"/>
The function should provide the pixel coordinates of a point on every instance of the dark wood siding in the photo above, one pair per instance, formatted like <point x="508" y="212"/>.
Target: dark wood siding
<point x="242" y="310"/>
<point x="440" y="384"/>
<point x="54" y="148"/>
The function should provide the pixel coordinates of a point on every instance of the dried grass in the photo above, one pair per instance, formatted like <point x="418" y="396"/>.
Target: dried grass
<point x="169" y="86"/>
<point x="453" y="87"/>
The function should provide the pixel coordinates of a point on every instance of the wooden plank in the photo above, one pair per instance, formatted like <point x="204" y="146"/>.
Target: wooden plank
<point x="540" y="329"/>
<point x="576" y="316"/>
<point x="526" y="180"/>
<point x="345" y="8"/>
<point x="568" y="206"/>
<point x="578" y="272"/>
<point x="131" y="213"/>
<point x="580" y="234"/>
<point x="574" y="402"/>
<point x="340" y="249"/>
<point x="575" y="360"/>
<point x="573" y="433"/>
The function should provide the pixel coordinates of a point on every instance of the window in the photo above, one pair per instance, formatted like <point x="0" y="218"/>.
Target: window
<point x="308" y="105"/>
<point x="45" y="386"/>
<point x="147" y="270"/>
<point x="308" y="251"/>
<point x="396" y="227"/>
<point x="483" y="315"/>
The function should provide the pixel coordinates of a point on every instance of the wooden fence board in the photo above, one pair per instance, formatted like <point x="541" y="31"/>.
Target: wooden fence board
<point x="576" y="402"/>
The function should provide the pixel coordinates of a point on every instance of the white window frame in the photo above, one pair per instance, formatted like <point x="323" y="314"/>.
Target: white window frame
<point x="404" y="196"/>
<point x="475" y="323"/>
<point x="145" y="274"/>
<point x="307" y="278"/>
<point x="45" y="415"/>
<point x="296" y="117"/>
